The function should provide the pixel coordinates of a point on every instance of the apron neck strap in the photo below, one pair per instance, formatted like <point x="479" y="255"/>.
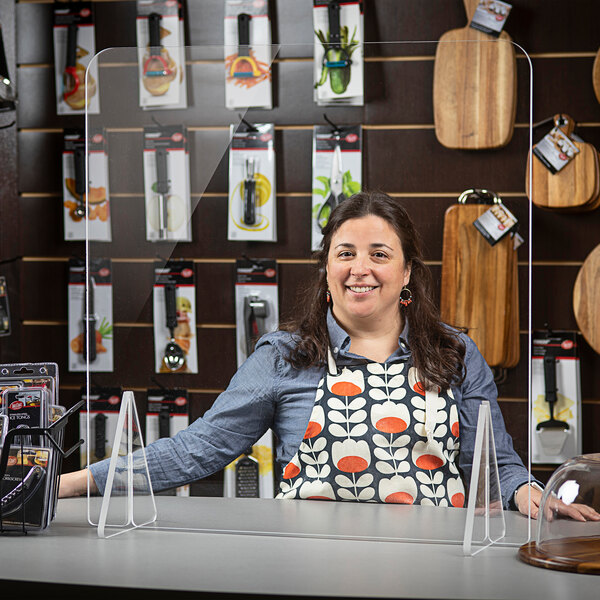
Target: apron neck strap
<point x="331" y="366"/>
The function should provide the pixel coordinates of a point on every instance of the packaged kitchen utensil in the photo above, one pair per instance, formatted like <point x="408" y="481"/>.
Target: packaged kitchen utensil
<point x="472" y="67"/>
<point x="74" y="47"/>
<point x="91" y="320"/>
<point x="556" y="395"/>
<point x="161" y="55"/>
<point x="480" y="281"/>
<point x="337" y="172"/>
<point x="31" y="441"/>
<point x="174" y="301"/>
<point x="167" y="184"/>
<point x="98" y="423"/>
<point x="8" y="89"/>
<point x="561" y="542"/>
<point x="490" y="16"/>
<point x="565" y="169"/>
<point x="338" y="52"/>
<point x="251" y="474"/>
<point x="4" y="308"/>
<point x="167" y="414"/>
<point x="256" y="303"/>
<point x="77" y="206"/>
<point x="252" y="194"/>
<point x="248" y="54"/>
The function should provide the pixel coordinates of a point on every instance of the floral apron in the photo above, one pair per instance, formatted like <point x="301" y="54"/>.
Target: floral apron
<point x="376" y="435"/>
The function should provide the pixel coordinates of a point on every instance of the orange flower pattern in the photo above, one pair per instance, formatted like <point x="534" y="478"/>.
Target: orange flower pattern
<point x="366" y="441"/>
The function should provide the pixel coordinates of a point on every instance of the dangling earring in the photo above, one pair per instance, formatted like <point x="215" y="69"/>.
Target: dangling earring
<point x="405" y="296"/>
<point x="328" y="296"/>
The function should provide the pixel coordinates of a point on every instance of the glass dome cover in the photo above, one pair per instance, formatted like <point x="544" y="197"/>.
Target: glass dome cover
<point x="568" y="532"/>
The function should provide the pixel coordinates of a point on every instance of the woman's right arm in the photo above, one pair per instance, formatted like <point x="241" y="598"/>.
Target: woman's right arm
<point x="75" y="484"/>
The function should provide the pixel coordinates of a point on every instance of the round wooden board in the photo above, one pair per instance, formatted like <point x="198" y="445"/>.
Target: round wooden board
<point x="586" y="299"/>
<point x="587" y="551"/>
<point x="596" y="76"/>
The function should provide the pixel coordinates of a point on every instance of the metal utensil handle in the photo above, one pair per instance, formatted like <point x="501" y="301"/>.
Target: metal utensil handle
<point x="333" y="14"/>
<point x="171" y="306"/>
<point x="71" y="45"/>
<point x="243" y="20"/>
<point x="154" y="20"/>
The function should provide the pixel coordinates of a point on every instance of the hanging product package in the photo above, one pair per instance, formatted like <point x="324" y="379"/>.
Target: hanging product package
<point x="252" y="194"/>
<point x="256" y="303"/>
<point x="174" y="302"/>
<point x="76" y="206"/>
<point x="102" y="414"/>
<point x="338" y="52"/>
<point x="167" y="414"/>
<point x="74" y="48"/>
<point x="161" y="55"/>
<point x="336" y="173"/>
<point x="566" y="170"/>
<point x="98" y="322"/>
<point x="248" y="54"/>
<point x="167" y="184"/>
<point x="556" y="394"/>
<point x="256" y="313"/>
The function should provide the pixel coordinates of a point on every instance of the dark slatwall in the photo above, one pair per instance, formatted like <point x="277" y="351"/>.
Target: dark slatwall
<point x="401" y="157"/>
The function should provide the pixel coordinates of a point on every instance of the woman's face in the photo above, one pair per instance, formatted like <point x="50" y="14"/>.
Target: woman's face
<point x="366" y="272"/>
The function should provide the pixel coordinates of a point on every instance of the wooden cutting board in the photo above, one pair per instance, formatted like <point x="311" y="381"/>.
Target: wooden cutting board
<point x="596" y="76"/>
<point x="513" y="340"/>
<point x="586" y="299"/>
<point x="474" y="88"/>
<point x="478" y="286"/>
<point x="574" y="187"/>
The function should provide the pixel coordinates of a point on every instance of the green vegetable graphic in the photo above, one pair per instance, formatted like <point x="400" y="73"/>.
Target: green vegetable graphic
<point x="349" y="187"/>
<point x="339" y="77"/>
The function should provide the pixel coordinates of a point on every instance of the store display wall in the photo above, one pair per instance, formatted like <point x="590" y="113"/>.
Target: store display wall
<point x="557" y="34"/>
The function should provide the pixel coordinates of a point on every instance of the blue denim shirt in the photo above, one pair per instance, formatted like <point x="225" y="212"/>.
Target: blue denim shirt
<point x="267" y="392"/>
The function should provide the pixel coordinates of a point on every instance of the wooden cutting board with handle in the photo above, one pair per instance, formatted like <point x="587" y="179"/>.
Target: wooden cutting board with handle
<point x="575" y="186"/>
<point x="478" y="284"/>
<point x="586" y="299"/>
<point x="474" y="88"/>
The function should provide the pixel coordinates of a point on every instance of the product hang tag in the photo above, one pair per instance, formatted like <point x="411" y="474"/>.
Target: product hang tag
<point x="490" y="16"/>
<point x="495" y="223"/>
<point x="555" y="150"/>
<point x="4" y="308"/>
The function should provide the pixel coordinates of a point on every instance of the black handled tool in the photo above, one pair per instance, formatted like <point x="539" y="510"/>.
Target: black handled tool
<point x="335" y="55"/>
<point x="174" y="358"/>
<point x="79" y="163"/>
<point x="70" y="78"/>
<point x="21" y="494"/>
<point x="164" y="421"/>
<point x="162" y="189"/>
<point x="8" y="93"/>
<point x="550" y="384"/>
<point x="244" y="65"/>
<point x="255" y="313"/>
<point x="100" y="436"/>
<point x="89" y="321"/>
<point x="155" y="65"/>
<point x="249" y="193"/>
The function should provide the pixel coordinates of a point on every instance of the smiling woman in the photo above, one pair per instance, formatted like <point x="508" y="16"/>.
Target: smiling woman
<point x="372" y="398"/>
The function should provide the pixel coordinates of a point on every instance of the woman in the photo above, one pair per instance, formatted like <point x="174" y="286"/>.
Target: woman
<point x="370" y="396"/>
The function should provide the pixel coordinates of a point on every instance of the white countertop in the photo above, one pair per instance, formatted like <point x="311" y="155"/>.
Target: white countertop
<point x="303" y="548"/>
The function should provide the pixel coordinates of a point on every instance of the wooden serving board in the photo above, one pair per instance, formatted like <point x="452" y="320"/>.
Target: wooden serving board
<point x="574" y="187"/>
<point x="586" y="299"/>
<point x="596" y="76"/>
<point x="478" y="288"/>
<point x="474" y="88"/>
<point x="582" y="555"/>
<point x="513" y="339"/>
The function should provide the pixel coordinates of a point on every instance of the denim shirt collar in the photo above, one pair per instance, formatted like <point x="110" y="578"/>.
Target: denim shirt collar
<point x="340" y="341"/>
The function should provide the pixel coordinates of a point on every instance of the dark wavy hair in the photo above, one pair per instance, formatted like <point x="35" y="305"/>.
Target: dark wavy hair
<point x="438" y="352"/>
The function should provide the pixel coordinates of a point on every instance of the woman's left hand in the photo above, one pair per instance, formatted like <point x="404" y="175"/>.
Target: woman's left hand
<point x="578" y="512"/>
